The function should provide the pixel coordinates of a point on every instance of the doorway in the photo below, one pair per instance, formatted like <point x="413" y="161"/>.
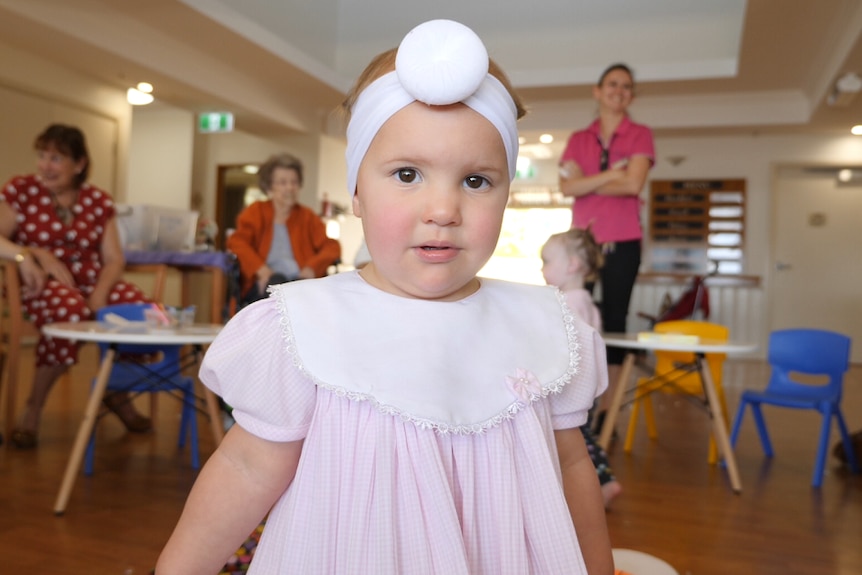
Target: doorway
<point x="237" y="188"/>
<point x="816" y="271"/>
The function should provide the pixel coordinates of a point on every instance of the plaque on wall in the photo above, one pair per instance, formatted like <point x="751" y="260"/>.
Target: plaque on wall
<point x="695" y="222"/>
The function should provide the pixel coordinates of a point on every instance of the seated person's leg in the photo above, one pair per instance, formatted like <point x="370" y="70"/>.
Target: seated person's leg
<point x="254" y="294"/>
<point x="120" y="402"/>
<point x="276" y="279"/>
<point x="610" y="487"/>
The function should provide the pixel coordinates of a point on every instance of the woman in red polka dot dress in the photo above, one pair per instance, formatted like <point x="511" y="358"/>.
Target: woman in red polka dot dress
<point x="62" y="233"/>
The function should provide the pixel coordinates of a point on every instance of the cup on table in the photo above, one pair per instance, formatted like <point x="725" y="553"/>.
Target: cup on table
<point x="170" y="317"/>
<point x="155" y="317"/>
<point x="186" y="316"/>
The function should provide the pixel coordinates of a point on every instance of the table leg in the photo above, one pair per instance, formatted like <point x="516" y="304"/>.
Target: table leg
<point x="211" y="400"/>
<point x="616" y="402"/>
<point x="84" y="431"/>
<point x="185" y="287"/>
<point x="217" y="289"/>
<point x="718" y="426"/>
<point x="218" y="294"/>
<point x="214" y="414"/>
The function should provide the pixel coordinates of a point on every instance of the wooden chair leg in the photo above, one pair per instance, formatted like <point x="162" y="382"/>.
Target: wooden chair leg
<point x="712" y="458"/>
<point x="10" y="375"/>
<point x="4" y="386"/>
<point x="12" y="332"/>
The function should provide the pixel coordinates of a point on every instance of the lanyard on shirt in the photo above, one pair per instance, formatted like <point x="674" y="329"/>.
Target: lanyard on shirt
<point x="604" y="158"/>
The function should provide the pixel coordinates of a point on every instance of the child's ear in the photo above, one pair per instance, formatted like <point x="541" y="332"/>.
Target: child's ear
<point x="575" y="264"/>
<point x="357" y="209"/>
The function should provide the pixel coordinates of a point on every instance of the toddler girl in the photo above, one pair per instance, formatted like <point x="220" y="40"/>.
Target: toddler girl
<point x="569" y="260"/>
<point x="409" y="417"/>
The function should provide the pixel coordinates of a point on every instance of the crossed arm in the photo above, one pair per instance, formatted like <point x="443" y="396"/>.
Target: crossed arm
<point x="625" y="180"/>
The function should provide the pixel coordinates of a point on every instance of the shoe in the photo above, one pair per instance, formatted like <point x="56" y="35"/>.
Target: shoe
<point x="134" y="421"/>
<point x="23" y="439"/>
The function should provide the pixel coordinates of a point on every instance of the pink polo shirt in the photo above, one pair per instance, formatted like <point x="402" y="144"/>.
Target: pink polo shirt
<point x="613" y="218"/>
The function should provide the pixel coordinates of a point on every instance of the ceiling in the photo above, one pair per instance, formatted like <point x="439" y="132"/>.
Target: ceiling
<point x="705" y="67"/>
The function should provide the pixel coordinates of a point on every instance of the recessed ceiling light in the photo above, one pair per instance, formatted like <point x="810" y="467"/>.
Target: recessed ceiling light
<point x="856" y="130"/>
<point x="145" y="87"/>
<point x="137" y="98"/>
<point x="546" y="138"/>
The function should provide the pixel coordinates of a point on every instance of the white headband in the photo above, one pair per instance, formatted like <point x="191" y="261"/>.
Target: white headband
<point x="438" y="63"/>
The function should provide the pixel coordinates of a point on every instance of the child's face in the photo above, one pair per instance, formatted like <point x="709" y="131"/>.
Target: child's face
<point x="556" y="263"/>
<point x="431" y="192"/>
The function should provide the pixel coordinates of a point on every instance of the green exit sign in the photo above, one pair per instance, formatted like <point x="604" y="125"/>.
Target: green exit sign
<point x="215" y="122"/>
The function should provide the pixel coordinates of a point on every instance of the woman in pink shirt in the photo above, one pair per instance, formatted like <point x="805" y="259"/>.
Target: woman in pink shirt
<point x="604" y="168"/>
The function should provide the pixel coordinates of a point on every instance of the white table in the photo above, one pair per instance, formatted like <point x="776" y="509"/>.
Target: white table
<point x="134" y="333"/>
<point x="630" y="342"/>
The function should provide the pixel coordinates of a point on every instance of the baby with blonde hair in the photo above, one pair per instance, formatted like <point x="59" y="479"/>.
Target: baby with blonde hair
<point x="569" y="260"/>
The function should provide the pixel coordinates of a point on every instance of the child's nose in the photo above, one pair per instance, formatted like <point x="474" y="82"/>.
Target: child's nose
<point x="443" y="206"/>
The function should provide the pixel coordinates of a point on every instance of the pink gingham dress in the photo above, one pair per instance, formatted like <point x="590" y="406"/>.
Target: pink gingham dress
<point x="428" y="426"/>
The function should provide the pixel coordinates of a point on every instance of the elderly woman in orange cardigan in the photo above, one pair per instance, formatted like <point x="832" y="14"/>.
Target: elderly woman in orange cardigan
<point x="280" y="240"/>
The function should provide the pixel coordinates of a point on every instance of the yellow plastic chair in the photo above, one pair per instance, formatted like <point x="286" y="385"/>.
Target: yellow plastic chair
<point x="666" y="377"/>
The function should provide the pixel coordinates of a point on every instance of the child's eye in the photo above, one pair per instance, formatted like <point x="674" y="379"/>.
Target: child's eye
<point x="407" y="175"/>
<point x="476" y="182"/>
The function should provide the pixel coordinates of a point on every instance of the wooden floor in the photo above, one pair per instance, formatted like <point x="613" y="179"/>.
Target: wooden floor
<point x="674" y="505"/>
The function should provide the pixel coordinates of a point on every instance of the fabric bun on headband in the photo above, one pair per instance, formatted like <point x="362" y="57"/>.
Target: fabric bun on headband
<point x="441" y="62"/>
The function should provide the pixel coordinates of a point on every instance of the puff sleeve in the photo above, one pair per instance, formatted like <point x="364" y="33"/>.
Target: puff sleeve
<point x="250" y="367"/>
<point x="569" y="407"/>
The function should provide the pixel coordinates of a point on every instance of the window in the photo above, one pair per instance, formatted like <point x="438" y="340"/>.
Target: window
<point x="533" y="214"/>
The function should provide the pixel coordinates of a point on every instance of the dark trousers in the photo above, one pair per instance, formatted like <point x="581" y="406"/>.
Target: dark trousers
<point x="597" y="455"/>
<point x="618" y="275"/>
<point x="254" y="294"/>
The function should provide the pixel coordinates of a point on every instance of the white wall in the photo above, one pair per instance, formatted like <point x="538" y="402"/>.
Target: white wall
<point x="333" y="183"/>
<point x="213" y="150"/>
<point x="35" y="92"/>
<point x="752" y="158"/>
<point x="165" y="160"/>
<point x="160" y="156"/>
<point x="755" y="159"/>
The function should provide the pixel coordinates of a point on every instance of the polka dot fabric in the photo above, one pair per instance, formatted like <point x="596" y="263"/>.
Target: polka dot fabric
<point x="77" y="245"/>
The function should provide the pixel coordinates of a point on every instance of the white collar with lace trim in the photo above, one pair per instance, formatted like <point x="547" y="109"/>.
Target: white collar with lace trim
<point x="456" y="367"/>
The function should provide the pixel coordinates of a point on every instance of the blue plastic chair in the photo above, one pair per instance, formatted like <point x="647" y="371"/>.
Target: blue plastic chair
<point x="811" y="352"/>
<point x="161" y="375"/>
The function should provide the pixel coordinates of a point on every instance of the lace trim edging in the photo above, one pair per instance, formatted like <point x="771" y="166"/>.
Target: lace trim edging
<point x="443" y="428"/>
